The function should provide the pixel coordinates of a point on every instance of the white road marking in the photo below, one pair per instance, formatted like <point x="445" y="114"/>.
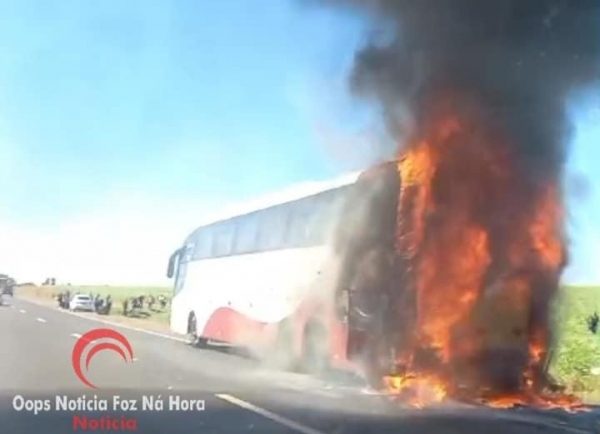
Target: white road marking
<point x="268" y="414"/>
<point x="135" y="359"/>
<point x="75" y="335"/>
<point x="22" y="311"/>
<point x="169" y="387"/>
<point x="124" y="326"/>
<point x="42" y="320"/>
<point x="113" y="323"/>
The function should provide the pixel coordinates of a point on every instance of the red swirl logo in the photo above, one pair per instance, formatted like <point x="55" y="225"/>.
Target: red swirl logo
<point x="92" y="343"/>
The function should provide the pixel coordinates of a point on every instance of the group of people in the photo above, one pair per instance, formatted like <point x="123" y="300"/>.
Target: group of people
<point x="102" y="305"/>
<point x="64" y="298"/>
<point x="133" y="304"/>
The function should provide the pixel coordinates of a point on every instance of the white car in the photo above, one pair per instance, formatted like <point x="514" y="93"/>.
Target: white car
<point x="81" y="302"/>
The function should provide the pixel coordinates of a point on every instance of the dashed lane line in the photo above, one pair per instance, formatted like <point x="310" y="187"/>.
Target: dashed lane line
<point x="113" y="323"/>
<point x="22" y="311"/>
<point x="268" y="414"/>
<point x="42" y="320"/>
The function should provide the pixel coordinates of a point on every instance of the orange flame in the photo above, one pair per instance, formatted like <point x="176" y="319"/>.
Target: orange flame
<point x="484" y="249"/>
<point x="417" y="391"/>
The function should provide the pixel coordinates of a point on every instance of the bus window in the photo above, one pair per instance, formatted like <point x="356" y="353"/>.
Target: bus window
<point x="273" y="227"/>
<point x="324" y="217"/>
<point x="202" y="244"/>
<point x="321" y="218"/>
<point x="222" y="239"/>
<point x="314" y="217"/>
<point x="299" y="227"/>
<point x="246" y="232"/>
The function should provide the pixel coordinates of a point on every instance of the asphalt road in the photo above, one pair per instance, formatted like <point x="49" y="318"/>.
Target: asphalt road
<point x="237" y="393"/>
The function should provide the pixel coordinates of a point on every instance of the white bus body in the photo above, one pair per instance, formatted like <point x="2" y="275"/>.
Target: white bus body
<point x="240" y="277"/>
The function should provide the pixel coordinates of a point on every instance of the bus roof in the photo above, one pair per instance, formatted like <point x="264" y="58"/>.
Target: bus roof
<point x="289" y="194"/>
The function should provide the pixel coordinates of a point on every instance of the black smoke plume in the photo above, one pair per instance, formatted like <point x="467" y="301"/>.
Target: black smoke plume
<point x="516" y="59"/>
<point x="510" y="65"/>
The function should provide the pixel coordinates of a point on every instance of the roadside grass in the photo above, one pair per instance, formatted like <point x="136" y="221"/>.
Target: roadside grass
<point x="118" y="294"/>
<point x="576" y="353"/>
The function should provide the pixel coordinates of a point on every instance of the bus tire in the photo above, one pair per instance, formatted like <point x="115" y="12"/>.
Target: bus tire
<point x="315" y="354"/>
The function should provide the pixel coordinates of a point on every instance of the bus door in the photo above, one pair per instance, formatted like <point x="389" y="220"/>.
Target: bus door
<point x="367" y="240"/>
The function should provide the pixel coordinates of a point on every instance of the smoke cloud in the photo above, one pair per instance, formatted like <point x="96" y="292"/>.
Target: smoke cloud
<point x="516" y="60"/>
<point x="488" y="187"/>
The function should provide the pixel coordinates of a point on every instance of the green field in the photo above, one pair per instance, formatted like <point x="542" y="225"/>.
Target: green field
<point x="118" y="294"/>
<point x="576" y="361"/>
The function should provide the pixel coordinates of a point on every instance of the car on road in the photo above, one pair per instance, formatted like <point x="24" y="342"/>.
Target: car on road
<point x="81" y="302"/>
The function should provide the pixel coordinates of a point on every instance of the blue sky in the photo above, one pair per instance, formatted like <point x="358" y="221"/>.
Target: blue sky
<point x="583" y="188"/>
<point x="175" y="99"/>
<point x="124" y="122"/>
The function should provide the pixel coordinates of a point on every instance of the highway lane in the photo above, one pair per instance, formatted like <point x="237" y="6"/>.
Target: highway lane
<point x="35" y="362"/>
<point x="240" y="395"/>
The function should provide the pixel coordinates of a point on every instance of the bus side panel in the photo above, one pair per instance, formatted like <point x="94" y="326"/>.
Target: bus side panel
<point x="228" y="325"/>
<point x="241" y="299"/>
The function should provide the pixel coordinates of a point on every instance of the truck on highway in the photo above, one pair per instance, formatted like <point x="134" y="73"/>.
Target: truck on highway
<point x="7" y="285"/>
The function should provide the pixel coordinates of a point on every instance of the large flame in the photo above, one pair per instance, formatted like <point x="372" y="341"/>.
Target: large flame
<point x="485" y="249"/>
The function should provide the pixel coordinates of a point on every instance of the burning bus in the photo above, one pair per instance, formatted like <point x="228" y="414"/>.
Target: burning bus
<point x="434" y="273"/>
<point x="404" y="272"/>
